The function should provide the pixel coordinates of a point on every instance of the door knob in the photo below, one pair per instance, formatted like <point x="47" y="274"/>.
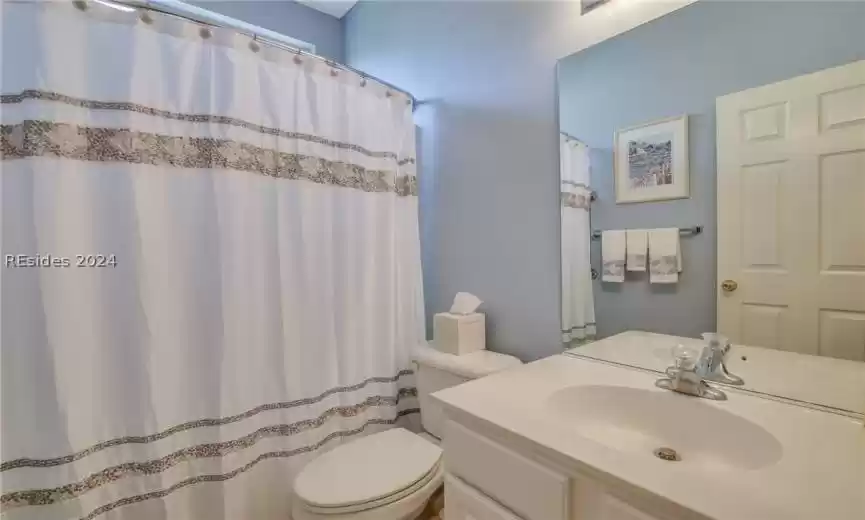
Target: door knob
<point x="729" y="285"/>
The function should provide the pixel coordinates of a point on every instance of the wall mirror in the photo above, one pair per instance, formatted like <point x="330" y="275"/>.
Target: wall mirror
<point x="739" y="156"/>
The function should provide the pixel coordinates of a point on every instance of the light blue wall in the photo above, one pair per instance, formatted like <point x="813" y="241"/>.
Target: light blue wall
<point x="489" y="150"/>
<point x="675" y="65"/>
<point x="289" y="18"/>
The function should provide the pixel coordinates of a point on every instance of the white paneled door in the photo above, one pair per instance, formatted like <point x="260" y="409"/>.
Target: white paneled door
<point x="791" y="214"/>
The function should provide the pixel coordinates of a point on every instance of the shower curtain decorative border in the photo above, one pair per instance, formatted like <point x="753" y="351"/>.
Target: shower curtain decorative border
<point x="578" y="327"/>
<point x="575" y="184"/>
<point x="580" y="199"/>
<point x="200" y="423"/>
<point x="37" y="497"/>
<point x="576" y="201"/>
<point x="43" y="95"/>
<point x="246" y="467"/>
<point x="37" y="138"/>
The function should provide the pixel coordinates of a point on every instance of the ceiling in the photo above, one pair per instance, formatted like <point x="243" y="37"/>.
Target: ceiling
<point x="336" y="8"/>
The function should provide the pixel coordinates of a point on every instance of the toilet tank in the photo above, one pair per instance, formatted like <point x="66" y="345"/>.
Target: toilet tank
<point x="436" y="371"/>
<point x="430" y="379"/>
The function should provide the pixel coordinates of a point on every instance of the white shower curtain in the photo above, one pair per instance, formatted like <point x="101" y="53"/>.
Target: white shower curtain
<point x="578" y="308"/>
<point x="211" y="266"/>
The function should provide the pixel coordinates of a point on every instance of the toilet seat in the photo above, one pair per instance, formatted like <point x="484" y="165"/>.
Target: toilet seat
<point x="369" y="473"/>
<point x="407" y="508"/>
<point x="363" y="506"/>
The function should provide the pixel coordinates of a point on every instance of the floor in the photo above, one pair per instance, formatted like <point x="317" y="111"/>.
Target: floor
<point x="435" y="507"/>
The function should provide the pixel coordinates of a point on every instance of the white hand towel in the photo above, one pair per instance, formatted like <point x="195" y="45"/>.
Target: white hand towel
<point x="613" y="255"/>
<point x="665" y="255"/>
<point x="637" y="246"/>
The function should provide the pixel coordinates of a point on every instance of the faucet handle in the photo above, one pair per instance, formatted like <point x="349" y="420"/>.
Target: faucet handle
<point x="717" y="341"/>
<point x="684" y="358"/>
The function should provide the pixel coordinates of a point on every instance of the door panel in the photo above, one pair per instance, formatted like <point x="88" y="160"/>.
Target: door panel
<point x="763" y="325"/>
<point x="791" y="213"/>
<point x="842" y="212"/>
<point x="762" y="203"/>
<point x="842" y="334"/>
<point x="842" y="107"/>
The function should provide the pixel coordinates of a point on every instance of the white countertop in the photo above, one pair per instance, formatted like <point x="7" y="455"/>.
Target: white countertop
<point x="819" y="476"/>
<point x="826" y="381"/>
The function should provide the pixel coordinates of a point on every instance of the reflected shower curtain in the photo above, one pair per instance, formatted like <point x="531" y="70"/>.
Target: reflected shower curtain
<point x="211" y="266"/>
<point x="578" y="307"/>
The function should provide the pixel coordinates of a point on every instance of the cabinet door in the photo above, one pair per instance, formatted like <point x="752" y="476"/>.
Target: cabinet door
<point x="462" y="502"/>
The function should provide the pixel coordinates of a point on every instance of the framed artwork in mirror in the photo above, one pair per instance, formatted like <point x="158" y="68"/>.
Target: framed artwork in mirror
<point x="651" y="161"/>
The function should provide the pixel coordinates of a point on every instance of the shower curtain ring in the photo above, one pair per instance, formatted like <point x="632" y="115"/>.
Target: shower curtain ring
<point x="297" y="59"/>
<point x="253" y="45"/>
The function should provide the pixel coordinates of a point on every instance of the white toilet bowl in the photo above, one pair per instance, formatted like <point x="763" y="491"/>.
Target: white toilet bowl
<point x="384" y="476"/>
<point x="390" y="475"/>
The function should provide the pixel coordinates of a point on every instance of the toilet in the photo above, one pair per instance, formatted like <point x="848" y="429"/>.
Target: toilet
<point x="392" y="474"/>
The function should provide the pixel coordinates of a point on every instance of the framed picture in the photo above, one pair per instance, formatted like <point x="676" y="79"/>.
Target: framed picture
<point x="651" y="161"/>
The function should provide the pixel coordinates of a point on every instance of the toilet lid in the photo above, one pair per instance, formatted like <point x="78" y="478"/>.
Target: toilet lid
<point x="367" y="469"/>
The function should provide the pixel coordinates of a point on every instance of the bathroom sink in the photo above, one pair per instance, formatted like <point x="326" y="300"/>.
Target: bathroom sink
<point x="647" y="420"/>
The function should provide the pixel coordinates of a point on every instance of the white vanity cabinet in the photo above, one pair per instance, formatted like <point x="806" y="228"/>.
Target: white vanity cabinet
<point x="565" y="438"/>
<point x="464" y="502"/>
<point x="488" y="480"/>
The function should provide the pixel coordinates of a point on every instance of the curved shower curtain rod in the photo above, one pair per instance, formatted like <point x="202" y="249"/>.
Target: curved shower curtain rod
<point x="203" y="16"/>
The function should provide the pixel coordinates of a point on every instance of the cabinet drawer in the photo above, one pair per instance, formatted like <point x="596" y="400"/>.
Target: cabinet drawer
<point x="522" y="485"/>
<point x="464" y="503"/>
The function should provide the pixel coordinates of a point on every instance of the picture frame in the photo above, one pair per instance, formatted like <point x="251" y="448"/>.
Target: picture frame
<point x="651" y="161"/>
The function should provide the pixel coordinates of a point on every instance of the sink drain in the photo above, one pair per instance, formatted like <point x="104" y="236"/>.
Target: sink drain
<point x="668" y="454"/>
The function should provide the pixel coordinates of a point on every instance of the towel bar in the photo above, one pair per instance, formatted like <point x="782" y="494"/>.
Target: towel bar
<point x="685" y="231"/>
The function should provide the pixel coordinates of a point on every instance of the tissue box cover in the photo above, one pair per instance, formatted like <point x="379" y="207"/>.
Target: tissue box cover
<point x="459" y="334"/>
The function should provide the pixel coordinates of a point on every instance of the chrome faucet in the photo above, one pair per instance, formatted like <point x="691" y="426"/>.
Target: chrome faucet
<point x="711" y="364"/>
<point x="688" y="374"/>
